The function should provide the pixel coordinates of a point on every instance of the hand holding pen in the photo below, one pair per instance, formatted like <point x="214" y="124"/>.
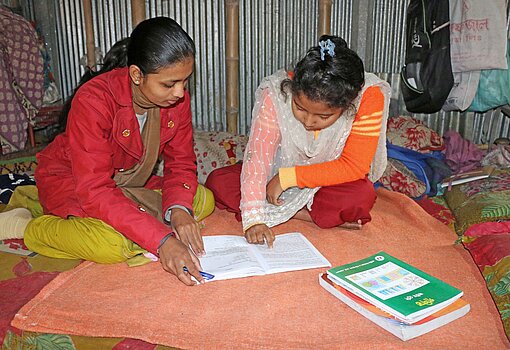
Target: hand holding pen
<point x="175" y="256"/>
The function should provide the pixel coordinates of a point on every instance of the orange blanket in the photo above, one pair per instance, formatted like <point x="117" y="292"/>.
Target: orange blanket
<point x="286" y="310"/>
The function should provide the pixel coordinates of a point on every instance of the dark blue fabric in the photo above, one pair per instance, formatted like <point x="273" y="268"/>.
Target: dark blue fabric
<point x="419" y="164"/>
<point x="437" y="170"/>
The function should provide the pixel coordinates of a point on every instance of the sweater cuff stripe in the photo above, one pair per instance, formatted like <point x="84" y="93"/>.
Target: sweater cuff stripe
<point x="288" y="177"/>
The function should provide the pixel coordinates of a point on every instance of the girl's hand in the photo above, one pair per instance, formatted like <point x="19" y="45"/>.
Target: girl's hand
<point x="174" y="256"/>
<point x="274" y="190"/>
<point x="187" y="230"/>
<point x="257" y="233"/>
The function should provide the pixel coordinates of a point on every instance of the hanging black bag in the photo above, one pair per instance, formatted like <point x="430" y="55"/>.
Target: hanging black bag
<point x="426" y="78"/>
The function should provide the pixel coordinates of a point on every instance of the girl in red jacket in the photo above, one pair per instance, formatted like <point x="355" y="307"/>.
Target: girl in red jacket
<point x="94" y="180"/>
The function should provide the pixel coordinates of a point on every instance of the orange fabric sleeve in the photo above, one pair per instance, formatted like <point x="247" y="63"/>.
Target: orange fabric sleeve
<point x="358" y="153"/>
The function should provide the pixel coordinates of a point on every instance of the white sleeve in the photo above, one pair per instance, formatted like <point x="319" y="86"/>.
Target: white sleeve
<point x="258" y="160"/>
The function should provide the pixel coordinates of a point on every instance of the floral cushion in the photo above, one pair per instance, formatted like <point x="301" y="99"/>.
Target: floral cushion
<point x="413" y="134"/>
<point x="397" y="177"/>
<point x="491" y="253"/>
<point x="214" y="150"/>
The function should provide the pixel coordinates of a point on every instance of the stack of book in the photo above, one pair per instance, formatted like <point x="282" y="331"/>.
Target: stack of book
<point x="400" y="298"/>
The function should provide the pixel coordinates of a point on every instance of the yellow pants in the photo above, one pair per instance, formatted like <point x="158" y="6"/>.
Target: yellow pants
<point x="92" y="239"/>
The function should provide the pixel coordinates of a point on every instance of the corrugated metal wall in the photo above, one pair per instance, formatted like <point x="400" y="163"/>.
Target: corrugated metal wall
<point x="112" y="22"/>
<point x="204" y="22"/>
<point x="273" y="35"/>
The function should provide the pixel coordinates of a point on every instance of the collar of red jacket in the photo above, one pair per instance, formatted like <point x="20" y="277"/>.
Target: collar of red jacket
<point x="120" y="86"/>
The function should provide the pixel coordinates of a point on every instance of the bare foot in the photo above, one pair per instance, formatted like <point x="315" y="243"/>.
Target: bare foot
<point x="352" y="225"/>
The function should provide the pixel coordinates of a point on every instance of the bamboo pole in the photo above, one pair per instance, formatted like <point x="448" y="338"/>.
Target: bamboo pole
<point x="89" y="34"/>
<point x="137" y="11"/>
<point x="324" y="17"/>
<point x="232" y="63"/>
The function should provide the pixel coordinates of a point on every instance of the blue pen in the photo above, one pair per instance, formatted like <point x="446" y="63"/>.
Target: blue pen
<point x="205" y="275"/>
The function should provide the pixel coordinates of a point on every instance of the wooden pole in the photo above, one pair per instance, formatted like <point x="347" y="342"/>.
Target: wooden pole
<point x="232" y="63"/>
<point x="137" y="11"/>
<point x="324" y="25"/>
<point x="89" y="34"/>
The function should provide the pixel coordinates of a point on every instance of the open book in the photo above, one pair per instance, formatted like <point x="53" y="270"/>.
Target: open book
<point x="385" y="320"/>
<point x="393" y="286"/>
<point x="233" y="257"/>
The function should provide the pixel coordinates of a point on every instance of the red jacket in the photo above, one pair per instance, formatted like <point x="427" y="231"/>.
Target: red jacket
<point x="75" y="172"/>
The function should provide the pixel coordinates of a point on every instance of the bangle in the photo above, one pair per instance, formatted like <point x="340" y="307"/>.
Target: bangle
<point x="164" y="239"/>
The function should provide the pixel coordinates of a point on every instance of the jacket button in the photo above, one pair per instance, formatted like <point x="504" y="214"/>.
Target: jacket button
<point x="186" y="186"/>
<point x="141" y="208"/>
<point x="121" y="170"/>
<point x="171" y="124"/>
<point x="126" y="132"/>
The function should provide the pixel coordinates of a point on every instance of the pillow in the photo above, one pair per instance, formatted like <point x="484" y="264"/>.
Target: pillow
<point x="411" y="133"/>
<point x="492" y="255"/>
<point x="214" y="150"/>
<point x="397" y="177"/>
<point x="486" y="200"/>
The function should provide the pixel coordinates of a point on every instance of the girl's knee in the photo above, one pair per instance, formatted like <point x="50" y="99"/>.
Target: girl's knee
<point x="225" y="184"/>
<point x="225" y="179"/>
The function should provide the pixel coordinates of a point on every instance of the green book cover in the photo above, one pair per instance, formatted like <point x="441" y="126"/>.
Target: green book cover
<point x="395" y="286"/>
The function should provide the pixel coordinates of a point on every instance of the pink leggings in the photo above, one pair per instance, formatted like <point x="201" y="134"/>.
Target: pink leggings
<point x="332" y="205"/>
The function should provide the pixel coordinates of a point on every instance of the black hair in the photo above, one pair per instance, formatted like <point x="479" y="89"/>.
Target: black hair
<point x="154" y="44"/>
<point x="335" y="79"/>
<point x="157" y="43"/>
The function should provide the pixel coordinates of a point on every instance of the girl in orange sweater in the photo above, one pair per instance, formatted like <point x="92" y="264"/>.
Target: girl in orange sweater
<point x="317" y="143"/>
